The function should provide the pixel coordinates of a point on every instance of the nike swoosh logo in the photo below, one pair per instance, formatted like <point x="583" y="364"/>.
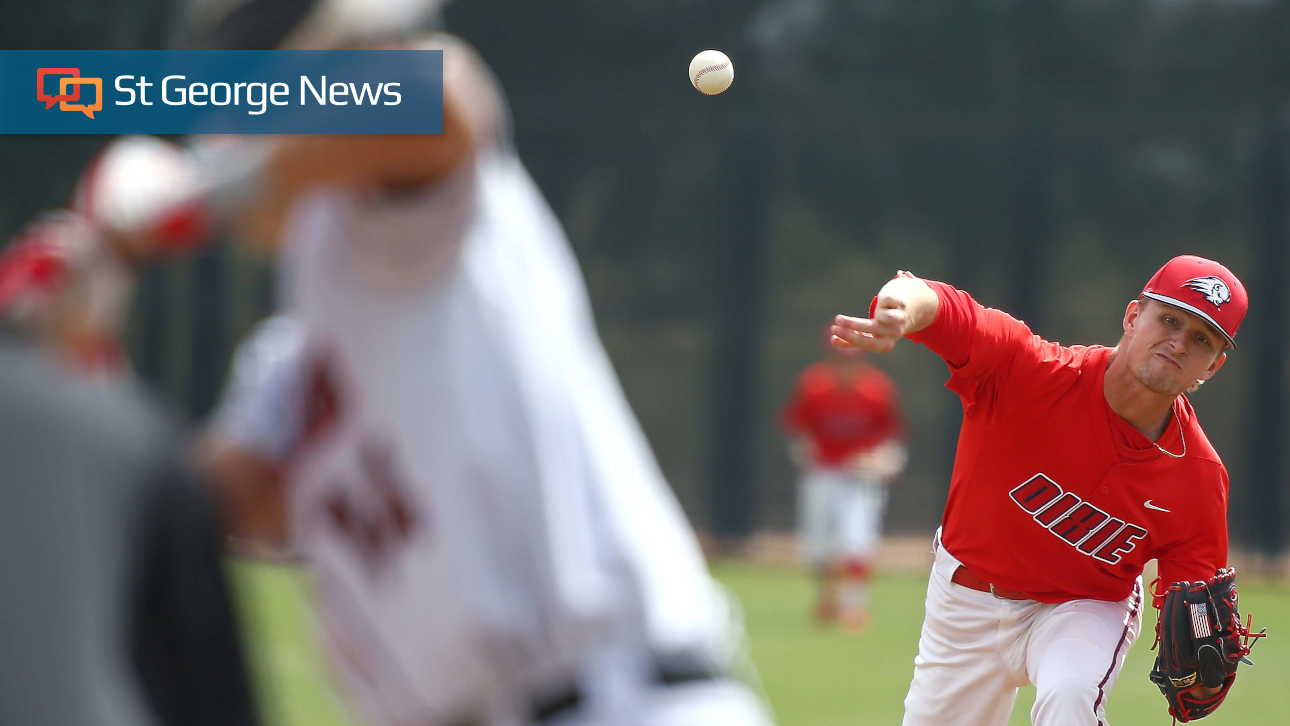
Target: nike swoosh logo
<point x="1149" y="505"/>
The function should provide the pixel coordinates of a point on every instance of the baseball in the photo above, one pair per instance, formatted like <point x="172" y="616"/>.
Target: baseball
<point x="711" y="72"/>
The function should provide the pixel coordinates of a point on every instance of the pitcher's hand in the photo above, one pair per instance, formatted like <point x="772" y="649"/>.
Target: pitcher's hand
<point x="888" y="324"/>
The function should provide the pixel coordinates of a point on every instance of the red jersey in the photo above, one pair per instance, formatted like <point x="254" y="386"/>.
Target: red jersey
<point x="842" y="416"/>
<point x="1053" y="493"/>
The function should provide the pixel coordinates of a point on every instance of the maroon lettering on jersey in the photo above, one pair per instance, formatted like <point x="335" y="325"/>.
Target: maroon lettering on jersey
<point x="375" y="514"/>
<point x="1036" y="493"/>
<point x="321" y="401"/>
<point x="1080" y="523"/>
<point x="341" y="515"/>
<point x="378" y="465"/>
<point x="1066" y="503"/>
<point x="1099" y="538"/>
<point x="1123" y="541"/>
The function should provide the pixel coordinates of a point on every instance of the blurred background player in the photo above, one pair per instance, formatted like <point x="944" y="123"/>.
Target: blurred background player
<point x="492" y="540"/>
<point x="847" y="440"/>
<point x="63" y="286"/>
<point x="116" y="608"/>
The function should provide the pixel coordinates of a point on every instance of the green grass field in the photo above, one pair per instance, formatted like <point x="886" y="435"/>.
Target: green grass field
<point x="814" y="677"/>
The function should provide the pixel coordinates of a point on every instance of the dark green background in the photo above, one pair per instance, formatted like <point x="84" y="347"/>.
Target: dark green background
<point x="1046" y="155"/>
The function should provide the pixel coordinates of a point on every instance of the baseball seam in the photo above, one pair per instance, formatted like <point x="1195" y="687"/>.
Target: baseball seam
<point x="704" y="71"/>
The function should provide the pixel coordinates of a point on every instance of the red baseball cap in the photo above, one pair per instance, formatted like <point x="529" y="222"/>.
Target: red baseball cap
<point x="1203" y="288"/>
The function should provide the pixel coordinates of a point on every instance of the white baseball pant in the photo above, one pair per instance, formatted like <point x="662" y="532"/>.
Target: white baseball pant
<point x="976" y="650"/>
<point x="840" y="515"/>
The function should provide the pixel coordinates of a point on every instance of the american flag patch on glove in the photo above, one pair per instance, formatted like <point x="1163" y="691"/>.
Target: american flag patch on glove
<point x="1199" y="620"/>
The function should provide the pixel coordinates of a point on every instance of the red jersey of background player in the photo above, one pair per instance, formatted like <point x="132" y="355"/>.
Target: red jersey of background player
<point x="1053" y="494"/>
<point x="845" y="410"/>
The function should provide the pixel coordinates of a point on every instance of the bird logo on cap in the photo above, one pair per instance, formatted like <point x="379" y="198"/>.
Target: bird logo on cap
<point x="1213" y="288"/>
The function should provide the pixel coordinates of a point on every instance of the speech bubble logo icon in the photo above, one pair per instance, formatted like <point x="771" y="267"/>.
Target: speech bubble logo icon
<point x="49" y="100"/>
<point x="87" y="109"/>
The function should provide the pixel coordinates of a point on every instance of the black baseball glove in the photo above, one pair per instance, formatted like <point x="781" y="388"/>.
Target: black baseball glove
<point x="1202" y="640"/>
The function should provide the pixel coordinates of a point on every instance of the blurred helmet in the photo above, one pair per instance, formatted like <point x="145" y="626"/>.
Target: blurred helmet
<point x="301" y="24"/>
<point x="31" y="270"/>
<point x="58" y="269"/>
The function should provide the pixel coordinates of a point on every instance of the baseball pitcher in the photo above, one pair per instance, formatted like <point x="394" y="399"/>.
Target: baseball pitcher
<point x="1075" y="466"/>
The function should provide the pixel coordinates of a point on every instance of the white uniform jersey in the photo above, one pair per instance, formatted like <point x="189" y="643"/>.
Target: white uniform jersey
<point x="480" y="503"/>
<point x="260" y="408"/>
